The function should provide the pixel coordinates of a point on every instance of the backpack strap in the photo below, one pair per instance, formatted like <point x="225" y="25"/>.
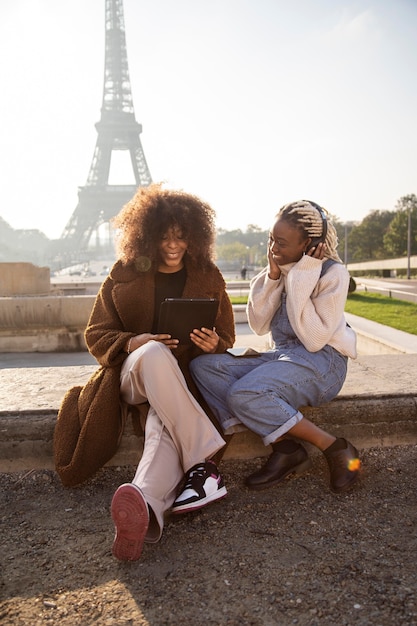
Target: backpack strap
<point x="325" y="266"/>
<point x="328" y="263"/>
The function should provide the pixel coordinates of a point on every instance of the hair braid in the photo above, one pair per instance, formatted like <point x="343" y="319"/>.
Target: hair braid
<point x="305" y="215"/>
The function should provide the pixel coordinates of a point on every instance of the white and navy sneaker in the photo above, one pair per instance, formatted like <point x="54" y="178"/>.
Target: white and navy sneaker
<point x="203" y="484"/>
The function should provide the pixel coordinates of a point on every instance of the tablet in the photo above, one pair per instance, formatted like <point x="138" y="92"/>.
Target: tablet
<point x="179" y="316"/>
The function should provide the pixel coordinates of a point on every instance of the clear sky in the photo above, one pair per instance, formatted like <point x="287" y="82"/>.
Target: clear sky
<point x="247" y="103"/>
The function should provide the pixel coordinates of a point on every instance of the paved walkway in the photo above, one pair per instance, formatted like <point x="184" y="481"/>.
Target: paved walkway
<point x="374" y="338"/>
<point x="36" y="380"/>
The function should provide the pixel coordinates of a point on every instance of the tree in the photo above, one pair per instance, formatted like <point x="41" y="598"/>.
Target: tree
<point x="366" y="239"/>
<point x="229" y="236"/>
<point x="396" y="237"/>
<point x="237" y="247"/>
<point x="235" y="253"/>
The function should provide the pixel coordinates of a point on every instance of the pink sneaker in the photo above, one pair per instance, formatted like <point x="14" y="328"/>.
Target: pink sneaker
<point x="130" y="515"/>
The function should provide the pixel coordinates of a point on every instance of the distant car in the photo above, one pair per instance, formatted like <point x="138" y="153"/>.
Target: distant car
<point x="75" y="273"/>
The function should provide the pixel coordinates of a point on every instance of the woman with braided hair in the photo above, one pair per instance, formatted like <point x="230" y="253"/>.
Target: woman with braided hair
<point x="300" y="299"/>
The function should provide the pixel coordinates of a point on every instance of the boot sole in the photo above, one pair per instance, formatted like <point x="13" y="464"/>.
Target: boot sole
<point x="348" y="485"/>
<point x="355" y="475"/>
<point x="297" y="470"/>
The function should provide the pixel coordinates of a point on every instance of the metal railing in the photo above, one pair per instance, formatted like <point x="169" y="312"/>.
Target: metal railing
<point x="391" y="293"/>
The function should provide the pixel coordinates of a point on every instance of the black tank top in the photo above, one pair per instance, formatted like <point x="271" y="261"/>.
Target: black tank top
<point x="167" y="286"/>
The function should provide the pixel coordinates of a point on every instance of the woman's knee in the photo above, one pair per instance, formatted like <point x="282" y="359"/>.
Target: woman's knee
<point x="152" y="354"/>
<point x="237" y="399"/>
<point x="200" y="365"/>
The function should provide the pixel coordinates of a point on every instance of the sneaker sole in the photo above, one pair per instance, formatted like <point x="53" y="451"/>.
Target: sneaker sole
<point x="297" y="470"/>
<point x="194" y="506"/>
<point x="130" y="515"/>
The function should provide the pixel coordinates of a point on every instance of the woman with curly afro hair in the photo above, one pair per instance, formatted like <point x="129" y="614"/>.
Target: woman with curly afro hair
<point x="165" y="244"/>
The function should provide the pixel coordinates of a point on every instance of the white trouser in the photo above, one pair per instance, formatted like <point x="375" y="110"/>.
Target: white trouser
<point x="178" y="433"/>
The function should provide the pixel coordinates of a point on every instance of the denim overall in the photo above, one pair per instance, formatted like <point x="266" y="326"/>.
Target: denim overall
<point x="265" y="392"/>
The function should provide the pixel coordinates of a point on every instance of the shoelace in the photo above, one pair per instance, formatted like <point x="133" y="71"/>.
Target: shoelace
<point x="196" y="478"/>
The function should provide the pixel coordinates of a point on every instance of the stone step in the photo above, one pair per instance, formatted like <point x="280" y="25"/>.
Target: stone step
<point x="377" y="406"/>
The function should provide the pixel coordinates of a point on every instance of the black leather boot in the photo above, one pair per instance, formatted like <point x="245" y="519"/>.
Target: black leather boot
<point x="344" y="465"/>
<point x="279" y="465"/>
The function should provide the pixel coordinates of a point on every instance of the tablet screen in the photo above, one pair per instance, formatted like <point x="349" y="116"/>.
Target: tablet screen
<point x="179" y="316"/>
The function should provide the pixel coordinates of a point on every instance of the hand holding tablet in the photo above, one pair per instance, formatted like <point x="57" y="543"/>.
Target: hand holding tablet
<point x="179" y="316"/>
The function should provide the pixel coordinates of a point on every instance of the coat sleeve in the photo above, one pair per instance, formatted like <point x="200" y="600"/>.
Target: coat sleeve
<point x="105" y="335"/>
<point x="88" y="428"/>
<point x="225" y="325"/>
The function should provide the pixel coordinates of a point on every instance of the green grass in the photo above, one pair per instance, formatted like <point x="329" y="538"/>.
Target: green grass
<point x="238" y="299"/>
<point x="398" y="314"/>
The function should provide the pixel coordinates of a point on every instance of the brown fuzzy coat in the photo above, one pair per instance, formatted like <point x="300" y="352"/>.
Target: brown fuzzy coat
<point x="91" y="418"/>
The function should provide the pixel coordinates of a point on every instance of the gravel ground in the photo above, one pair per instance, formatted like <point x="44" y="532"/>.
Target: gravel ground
<point x="294" y="554"/>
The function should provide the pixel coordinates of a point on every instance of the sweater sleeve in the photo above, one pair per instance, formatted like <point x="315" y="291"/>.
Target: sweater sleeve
<point x="264" y="299"/>
<point x="315" y="305"/>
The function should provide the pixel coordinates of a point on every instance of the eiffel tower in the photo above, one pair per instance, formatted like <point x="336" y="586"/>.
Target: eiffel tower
<point x="98" y="201"/>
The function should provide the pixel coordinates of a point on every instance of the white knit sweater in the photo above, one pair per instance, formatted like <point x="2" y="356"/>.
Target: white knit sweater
<point x="315" y="304"/>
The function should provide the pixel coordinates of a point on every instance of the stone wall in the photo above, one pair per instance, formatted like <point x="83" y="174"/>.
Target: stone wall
<point x="24" y="279"/>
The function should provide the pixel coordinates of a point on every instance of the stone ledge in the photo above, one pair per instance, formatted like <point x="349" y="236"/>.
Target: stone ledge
<point x="377" y="406"/>
<point x="384" y="420"/>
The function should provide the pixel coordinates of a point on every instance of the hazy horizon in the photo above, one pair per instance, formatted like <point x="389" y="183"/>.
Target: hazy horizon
<point x="248" y="104"/>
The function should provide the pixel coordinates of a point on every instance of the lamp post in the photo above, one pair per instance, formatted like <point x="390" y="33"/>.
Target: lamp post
<point x="409" y="243"/>
<point x="346" y="242"/>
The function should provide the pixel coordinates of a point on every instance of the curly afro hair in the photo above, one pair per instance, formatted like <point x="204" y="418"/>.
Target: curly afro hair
<point x="151" y="212"/>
